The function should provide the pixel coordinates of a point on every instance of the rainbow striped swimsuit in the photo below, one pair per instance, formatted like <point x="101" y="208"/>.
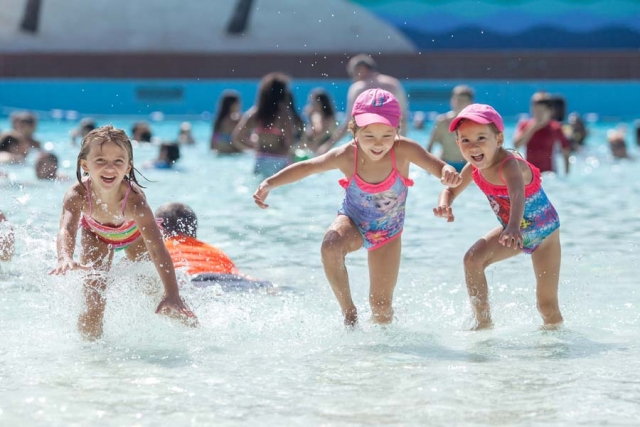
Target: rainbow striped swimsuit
<point x="118" y="237"/>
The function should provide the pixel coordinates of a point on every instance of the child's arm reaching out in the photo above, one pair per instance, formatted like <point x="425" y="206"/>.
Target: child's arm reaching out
<point x="427" y="161"/>
<point x="171" y="301"/>
<point x="66" y="241"/>
<point x="298" y="171"/>
<point x="444" y="210"/>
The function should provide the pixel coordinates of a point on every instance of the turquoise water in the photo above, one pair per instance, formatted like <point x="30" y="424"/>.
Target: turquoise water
<point x="285" y="359"/>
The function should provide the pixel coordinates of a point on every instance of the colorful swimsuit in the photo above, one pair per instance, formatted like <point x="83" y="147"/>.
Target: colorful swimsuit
<point x="118" y="237"/>
<point x="376" y="209"/>
<point x="540" y="218"/>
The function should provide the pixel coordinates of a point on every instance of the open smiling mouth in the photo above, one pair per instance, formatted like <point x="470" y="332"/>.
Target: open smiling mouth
<point x="477" y="158"/>
<point x="108" y="180"/>
<point x="376" y="153"/>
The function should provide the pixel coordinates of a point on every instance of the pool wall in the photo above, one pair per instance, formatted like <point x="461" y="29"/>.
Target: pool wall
<point x="609" y="100"/>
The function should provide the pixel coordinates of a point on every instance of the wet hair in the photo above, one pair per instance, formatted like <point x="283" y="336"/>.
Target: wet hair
<point x="322" y="97"/>
<point x="273" y="91"/>
<point x="99" y="136"/>
<point x="227" y="99"/>
<point x="464" y="90"/>
<point x="46" y="166"/>
<point x="492" y="126"/>
<point x="359" y="60"/>
<point x="177" y="219"/>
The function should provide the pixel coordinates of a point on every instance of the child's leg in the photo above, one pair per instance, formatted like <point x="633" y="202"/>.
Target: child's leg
<point x="98" y="255"/>
<point x="384" y="264"/>
<point x="482" y="254"/>
<point x="341" y="238"/>
<point x="546" y="265"/>
<point x="137" y="250"/>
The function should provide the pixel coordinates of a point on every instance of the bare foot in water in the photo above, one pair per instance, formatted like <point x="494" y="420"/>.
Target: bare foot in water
<point x="351" y="318"/>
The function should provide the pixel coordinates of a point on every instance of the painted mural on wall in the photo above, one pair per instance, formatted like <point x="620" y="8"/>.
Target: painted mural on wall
<point x="304" y="26"/>
<point x="513" y="24"/>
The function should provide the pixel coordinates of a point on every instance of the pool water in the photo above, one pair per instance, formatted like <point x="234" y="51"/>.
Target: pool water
<point x="284" y="358"/>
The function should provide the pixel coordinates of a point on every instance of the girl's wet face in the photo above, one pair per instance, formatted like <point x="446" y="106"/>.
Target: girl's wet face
<point x="376" y="139"/>
<point x="107" y="163"/>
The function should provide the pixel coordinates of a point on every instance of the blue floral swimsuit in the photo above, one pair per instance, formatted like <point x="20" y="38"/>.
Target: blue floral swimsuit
<point x="376" y="209"/>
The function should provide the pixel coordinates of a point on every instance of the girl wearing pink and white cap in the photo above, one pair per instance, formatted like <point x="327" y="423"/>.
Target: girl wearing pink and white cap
<point x="376" y="168"/>
<point x="528" y="221"/>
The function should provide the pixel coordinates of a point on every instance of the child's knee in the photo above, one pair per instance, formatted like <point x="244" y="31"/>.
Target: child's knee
<point x="473" y="260"/>
<point x="332" y="247"/>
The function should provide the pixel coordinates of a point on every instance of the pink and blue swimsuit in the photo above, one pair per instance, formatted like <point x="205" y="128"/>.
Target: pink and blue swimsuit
<point x="540" y="218"/>
<point x="376" y="209"/>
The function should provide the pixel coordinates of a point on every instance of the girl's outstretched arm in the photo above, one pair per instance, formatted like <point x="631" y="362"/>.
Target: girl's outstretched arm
<point x="298" y="171"/>
<point x="444" y="210"/>
<point x="427" y="161"/>
<point x="66" y="240"/>
<point x="171" y="302"/>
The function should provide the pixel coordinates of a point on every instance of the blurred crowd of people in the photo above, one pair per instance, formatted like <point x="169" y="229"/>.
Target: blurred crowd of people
<point x="279" y="133"/>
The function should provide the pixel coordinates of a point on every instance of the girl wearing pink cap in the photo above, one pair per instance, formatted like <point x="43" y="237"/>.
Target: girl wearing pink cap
<point x="528" y="221"/>
<point x="376" y="165"/>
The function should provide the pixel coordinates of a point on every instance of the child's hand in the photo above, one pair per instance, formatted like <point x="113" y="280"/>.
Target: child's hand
<point x="64" y="266"/>
<point x="174" y="306"/>
<point x="261" y="194"/>
<point x="511" y="237"/>
<point x="450" y="177"/>
<point x="444" y="212"/>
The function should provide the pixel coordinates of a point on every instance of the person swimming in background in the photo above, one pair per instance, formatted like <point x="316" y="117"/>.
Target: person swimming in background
<point x="205" y="264"/>
<point x="228" y="116"/>
<point x="617" y="143"/>
<point x="376" y="168"/>
<point x="86" y="125"/>
<point x="461" y="96"/>
<point x="141" y="132"/>
<point x="13" y="148"/>
<point x="528" y="221"/>
<point x="168" y="155"/>
<point x="46" y="167"/>
<point x="576" y="131"/>
<point x="185" y="137"/>
<point x="321" y="120"/>
<point x="540" y="134"/>
<point x="109" y="207"/>
<point x="25" y="124"/>
<point x="271" y="126"/>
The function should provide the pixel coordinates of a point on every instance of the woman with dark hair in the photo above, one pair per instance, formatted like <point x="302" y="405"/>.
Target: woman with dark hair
<point x="227" y="117"/>
<point x="321" y="120"/>
<point x="270" y="127"/>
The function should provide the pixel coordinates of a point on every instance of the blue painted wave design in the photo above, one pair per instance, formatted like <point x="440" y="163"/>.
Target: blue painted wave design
<point x="536" y="24"/>
<point x="538" y="38"/>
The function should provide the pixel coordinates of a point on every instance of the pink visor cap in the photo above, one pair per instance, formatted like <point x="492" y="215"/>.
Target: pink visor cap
<point x="376" y="106"/>
<point x="479" y="113"/>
